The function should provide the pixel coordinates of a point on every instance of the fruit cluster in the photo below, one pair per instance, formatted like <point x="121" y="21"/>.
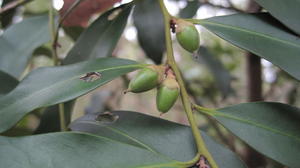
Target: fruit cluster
<point x="162" y="77"/>
<point x="157" y="76"/>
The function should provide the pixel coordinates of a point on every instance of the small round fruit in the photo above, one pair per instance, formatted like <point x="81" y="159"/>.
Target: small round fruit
<point x="187" y="35"/>
<point x="146" y="79"/>
<point x="167" y="94"/>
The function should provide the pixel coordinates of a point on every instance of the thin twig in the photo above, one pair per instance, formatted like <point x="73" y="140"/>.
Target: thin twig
<point x="56" y="60"/>
<point x="61" y="108"/>
<point x="13" y="5"/>
<point x="61" y="20"/>
<point x="202" y="149"/>
<point x="52" y="33"/>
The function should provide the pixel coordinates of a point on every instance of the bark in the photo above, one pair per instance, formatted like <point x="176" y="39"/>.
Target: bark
<point x="251" y="157"/>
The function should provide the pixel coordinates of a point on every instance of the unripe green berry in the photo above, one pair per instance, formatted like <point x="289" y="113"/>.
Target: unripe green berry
<point x="187" y="35"/>
<point x="167" y="94"/>
<point x="146" y="79"/>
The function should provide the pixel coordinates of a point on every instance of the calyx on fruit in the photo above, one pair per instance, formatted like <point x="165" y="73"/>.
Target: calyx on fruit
<point x="146" y="79"/>
<point x="167" y="93"/>
<point x="187" y="35"/>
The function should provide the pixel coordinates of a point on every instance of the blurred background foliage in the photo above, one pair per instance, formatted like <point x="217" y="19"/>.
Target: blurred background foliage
<point x="215" y="76"/>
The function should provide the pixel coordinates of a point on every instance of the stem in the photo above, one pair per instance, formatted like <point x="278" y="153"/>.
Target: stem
<point x="62" y="117"/>
<point x="184" y="96"/>
<point x="52" y="32"/>
<point x="13" y="5"/>
<point x="56" y="62"/>
<point x="61" y="20"/>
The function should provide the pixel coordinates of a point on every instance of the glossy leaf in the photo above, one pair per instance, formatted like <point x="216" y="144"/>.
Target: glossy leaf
<point x="286" y="11"/>
<point x="73" y="32"/>
<point x="154" y="134"/>
<point x="100" y="38"/>
<point x="52" y="85"/>
<point x="75" y="150"/>
<point x="262" y="35"/>
<point x="148" y="20"/>
<point x="190" y="9"/>
<point x="271" y="128"/>
<point x="7" y="83"/>
<point x="18" y="42"/>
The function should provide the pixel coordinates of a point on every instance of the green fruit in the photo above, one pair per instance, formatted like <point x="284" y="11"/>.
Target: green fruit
<point x="167" y="94"/>
<point x="187" y="35"/>
<point x="146" y="79"/>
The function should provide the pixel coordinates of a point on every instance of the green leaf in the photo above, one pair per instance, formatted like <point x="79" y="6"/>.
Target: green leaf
<point x="75" y="150"/>
<point x="18" y="42"/>
<point x="52" y="85"/>
<point x="271" y="128"/>
<point x="7" y="83"/>
<point x="286" y="11"/>
<point x="101" y="37"/>
<point x="73" y="32"/>
<point x="262" y="35"/>
<point x="154" y="134"/>
<point x="190" y="9"/>
<point x="148" y="20"/>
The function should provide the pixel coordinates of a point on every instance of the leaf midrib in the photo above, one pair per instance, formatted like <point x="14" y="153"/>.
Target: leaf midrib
<point x="207" y="22"/>
<point x="61" y="82"/>
<point x="217" y="113"/>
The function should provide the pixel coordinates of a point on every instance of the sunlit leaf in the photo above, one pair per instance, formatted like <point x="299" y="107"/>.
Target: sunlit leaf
<point x="18" y="42"/>
<point x="262" y="35"/>
<point x="52" y="85"/>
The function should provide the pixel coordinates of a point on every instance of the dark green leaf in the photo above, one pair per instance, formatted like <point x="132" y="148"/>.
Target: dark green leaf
<point x="75" y="150"/>
<point x="73" y="32"/>
<point x="154" y="134"/>
<point x="271" y="128"/>
<point x="49" y="121"/>
<point x="52" y="85"/>
<point x="190" y="9"/>
<point x="7" y="83"/>
<point x="262" y="35"/>
<point x="19" y="41"/>
<point x="221" y="75"/>
<point x="286" y="11"/>
<point x="100" y="38"/>
<point x="148" y="20"/>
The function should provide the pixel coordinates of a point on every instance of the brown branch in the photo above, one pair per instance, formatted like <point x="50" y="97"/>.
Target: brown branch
<point x="61" y="20"/>
<point x="254" y="78"/>
<point x="13" y="5"/>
